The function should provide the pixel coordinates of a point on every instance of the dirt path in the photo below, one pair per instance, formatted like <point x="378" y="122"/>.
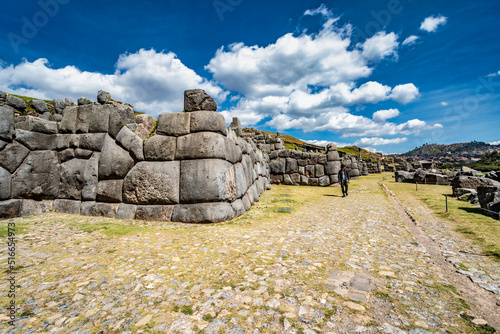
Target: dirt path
<point x="482" y="302"/>
<point x="337" y="265"/>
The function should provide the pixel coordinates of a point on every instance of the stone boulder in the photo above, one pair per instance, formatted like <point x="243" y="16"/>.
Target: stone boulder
<point x="13" y="155"/>
<point x="201" y="145"/>
<point x="118" y="117"/>
<point x="10" y="208"/>
<point x="203" y="213"/>
<point x="110" y="191"/>
<point x="37" y="177"/>
<point x="160" y="148"/>
<point x="68" y="122"/>
<point x="128" y="139"/>
<point x="197" y="99"/>
<point x="68" y="102"/>
<point x="15" y="102"/>
<point x="146" y="124"/>
<point x="174" y="124"/>
<point x="126" y="211"/>
<point x="39" y="106"/>
<point x="489" y="198"/>
<point x="471" y="182"/>
<point x="154" y="212"/>
<point x="103" y="97"/>
<point x="35" y="140"/>
<point x="83" y="101"/>
<point x="6" y="123"/>
<point x="71" y="179"/>
<point x="152" y="183"/>
<point x="5" y="182"/>
<point x="92" y="141"/>
<point x="206" y="120"/>
<point x="114" y="162"/>
<point x="98" y="120"/>
<point x="493" y="175"/>
<point x="207" y="180"/>
<point x="90" y="178"/>
<point x="67" y="206"/>
<point x="278" y="166"/>
<point x="58" y="106"/>
<point x="236" y="126"/>
<point x="36" y="124"/>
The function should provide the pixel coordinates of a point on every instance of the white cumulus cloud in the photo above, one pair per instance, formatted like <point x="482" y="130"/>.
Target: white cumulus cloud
<point x="495" y="142"/>
<point x="431" y="23"/>
<point x="152" y="81"/>
<point x="410" y="40"/>
<point x="377" y="141"/>
<point x="383" y="115"/>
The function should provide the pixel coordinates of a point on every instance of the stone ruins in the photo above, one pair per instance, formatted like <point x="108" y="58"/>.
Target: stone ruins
<point x="103" y="159"/>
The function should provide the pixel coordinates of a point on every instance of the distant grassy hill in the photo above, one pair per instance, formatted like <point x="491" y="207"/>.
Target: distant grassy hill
<point x="433" y="150"/>
<point x="489" y="162"/>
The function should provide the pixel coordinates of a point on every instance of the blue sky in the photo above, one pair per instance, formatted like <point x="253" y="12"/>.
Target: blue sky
<point x="384" y="75"/>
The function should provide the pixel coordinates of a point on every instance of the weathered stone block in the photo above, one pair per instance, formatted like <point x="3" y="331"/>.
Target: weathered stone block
<point x="240" y="180"/>
<point x="126" y="211"/>
<point x="10" y="208"/>
<point x="276" y="179"/>
<point x="2" y="144"/>
<point x="83" y="118"/>
<point x="287" y="179"/>
<point x="238" y="207"/>
<point x="207" y="180"/>
<point x="90" y="178"/>
<point x="114" y="162"/>
<point x="324" y="181"/>
<point x="35" y="124"/>
<point x="65" y="141"/>
<point x="35" y="140"/>
<point x="304" y="180"/>
<point x="333" y="156"/>
<point x="118" y="117"/>
<point x="302" y="170"/>
<point x="67" y="206"/>
<point x="58" y="106"/>
<point x="154" y="212"/>
<point x="110" y="191"/>
<point x="205" y="120"/>
<point x="15" y="102"/>
<point x="319" y="170"/>
<point x="83" y="101"/>
<point x="313" y="181"/>
<point x="71" y="179"/>
<point x="295" y="178"/>
<point x="66" y="155"/>
<point x="88" y="209"/>
<point x="92" y="141"/>
<point x="103" y="96"/>
<point x="278" y="166"/>
<point x="131" y="142"/>
<point x="5" y="180"/>
<point x="160" y="148"/>
<point x="30" y="207"/>
<point x="291" y="165"/>
<point x="174" y="124"/>
<point x="201" y="145"/>
<point x="246" y="161"/>
<point x="332" y="167"/>
<point x="83" y="154"/>
<point x="99" y="118"/>
<point x="334" y="178"/>
<point x="37" y="177"/>
<point x="68" y="122"/>
<point x="145" y="124"/>
<point x="12" y="156"/>
<point x="233" y="151"/>
<point x="39" y="106"/>
<point x="6" y="123"/>
<point x="203" y="213"/>
<point x="197" y="99"/>
<point x="153" y="183"/>
<point x="106" y="209"/>
<point x="310" y="171"/>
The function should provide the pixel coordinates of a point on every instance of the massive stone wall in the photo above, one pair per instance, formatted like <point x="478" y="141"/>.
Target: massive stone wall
<point x="91" y="161"/>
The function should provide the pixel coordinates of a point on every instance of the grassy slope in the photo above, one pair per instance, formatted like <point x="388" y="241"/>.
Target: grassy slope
<point x="467" y="218"/>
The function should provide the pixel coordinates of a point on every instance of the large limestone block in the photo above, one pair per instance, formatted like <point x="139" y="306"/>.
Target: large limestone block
<point x="197" y="99"/>
<point x="126" y="211"/>
<point x="110" y="191"/>
<point x="99" y="118"/>
<point x="471" y="182"/>
<point x="58" y="106"/>
<point x="68" y="122"/>
<point x="201" y="145"/>
<point x="118" y="117"/>
<point x="310" y="171"/>
<point x="233" y="151"/>
<point x="12" y="156"/>
<point x="207" y="180"/>
<point x="35" y="140"/>
<point x="64" y="141"/>
<point x="332" y="167"/>
<point x="37" y="177"/>
<point x="90" y="178"/>
<point x="154" y="212"/>
<point x="152" y="183"/>
<point x="15" y="102"/>
<point x="332" y="156"/>
<point x="67" y="206"/>
<point x="3" y="143"/>
<point x="291" y="165"/>
<point x="246" y="161"/>
<point x="108" y="210"/>
<point x="278" y="166"/>
<point x="83" y="118"/>
<point x="324" y="181"/>
<point x="238" y="207"/>
<point x="35" y="124"/>
<point x="160" y="148"/>
<point x="114" y="162"/>
<point x="206" y="120"/>
<point x="5" y="180"/>
<point x="10" y="208"/>
<point x="30" y="207"/>
<point x="277" y="179"/>
<point x="88" y="209"/>
<point x="304" y="180"/>
<point x="240" y="179"/>
<point x="72" y="179"/>
<point x="174" y="124"/>
<point x="103" y="96"/>
<point x="287" y="179"/>
<point x="92" y="141"/>
<point x="203" y="213"/>
<point x="128" y="139"/>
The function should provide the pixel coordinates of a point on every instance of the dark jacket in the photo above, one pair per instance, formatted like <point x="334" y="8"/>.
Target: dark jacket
<point x="341" y="176"/>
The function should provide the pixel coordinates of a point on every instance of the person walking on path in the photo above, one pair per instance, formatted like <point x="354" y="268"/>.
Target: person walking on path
<point x="344" y="180"/>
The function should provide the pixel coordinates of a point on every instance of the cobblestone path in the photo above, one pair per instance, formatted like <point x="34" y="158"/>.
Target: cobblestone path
<point x="338" y="265"/>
